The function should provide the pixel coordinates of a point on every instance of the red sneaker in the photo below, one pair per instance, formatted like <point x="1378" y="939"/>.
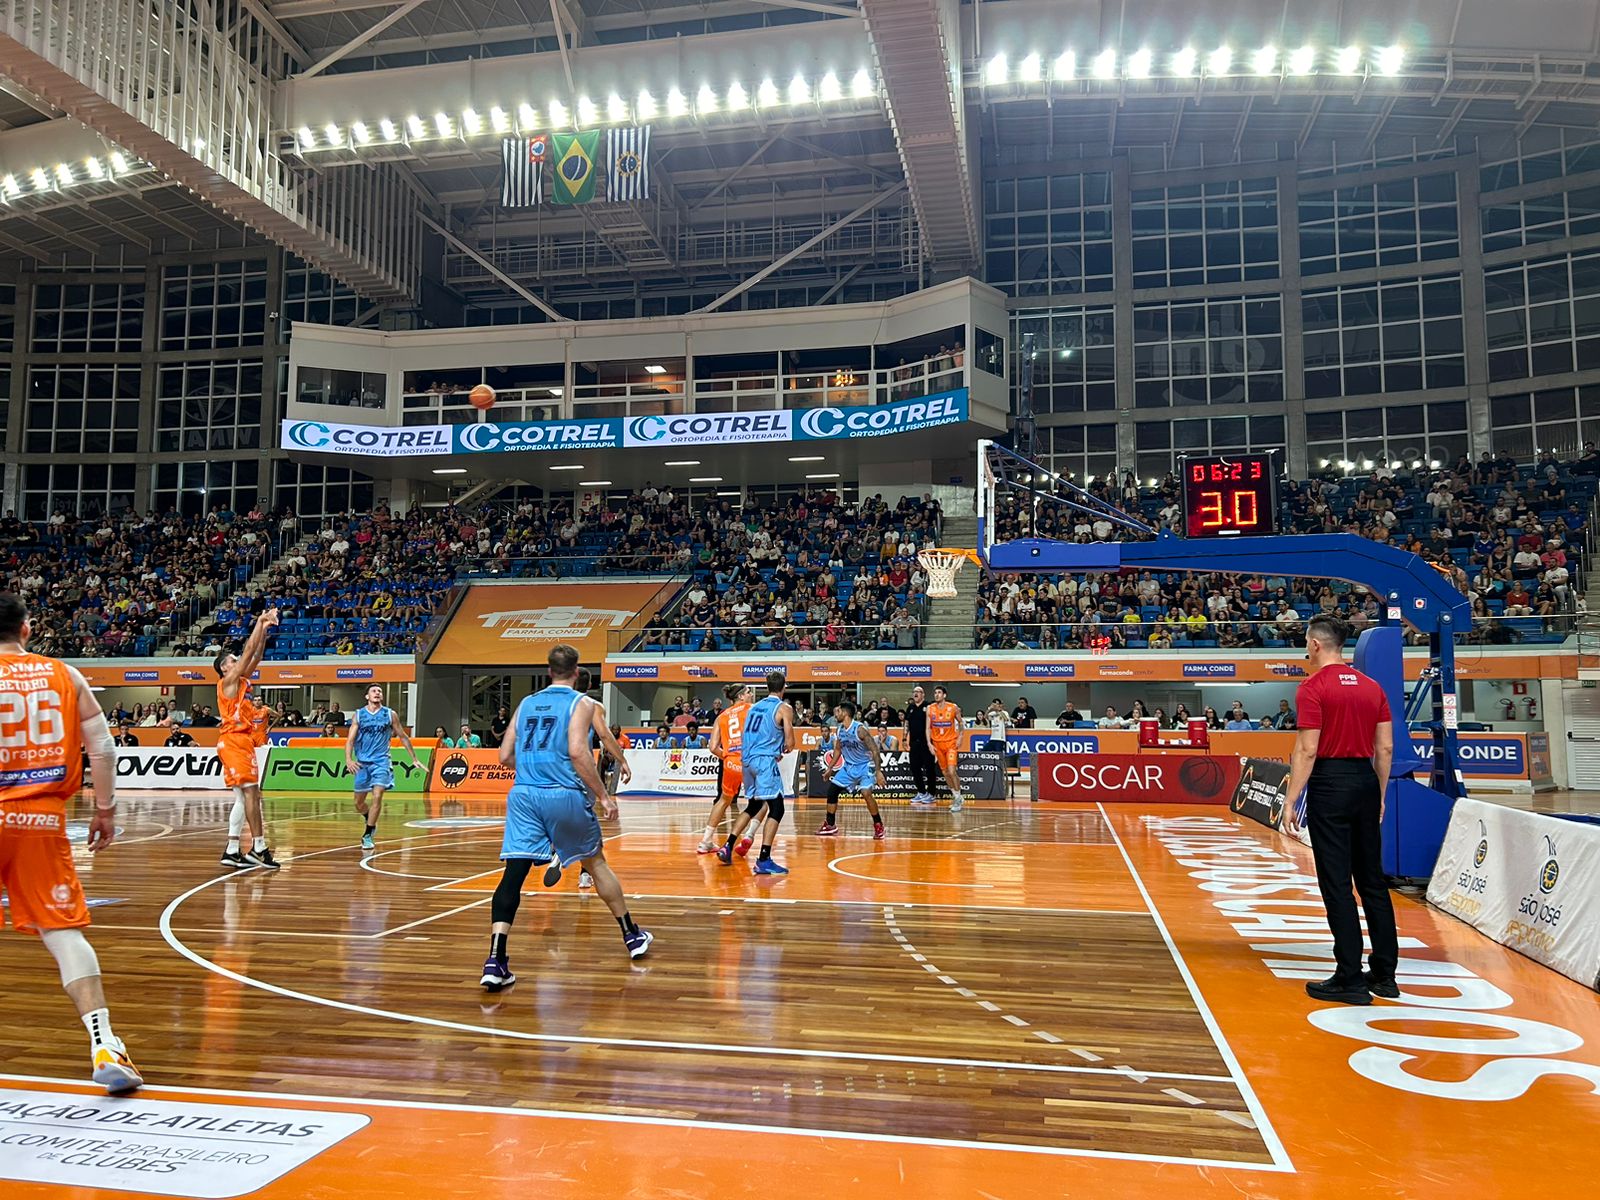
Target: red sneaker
<point x="829" y="829"/>
<point x="879" y="832"/>
<point x="743" y="847"/>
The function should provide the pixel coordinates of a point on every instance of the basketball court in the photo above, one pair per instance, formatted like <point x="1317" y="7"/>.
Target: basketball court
<point x="1111" y="996"/>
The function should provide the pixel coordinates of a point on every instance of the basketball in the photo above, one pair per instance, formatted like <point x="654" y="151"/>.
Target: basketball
<point x="1201" y="777"/>
<point x="482" y="397"/>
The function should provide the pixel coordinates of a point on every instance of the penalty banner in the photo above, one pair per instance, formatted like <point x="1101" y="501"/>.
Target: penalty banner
<point x="322" y="769"/>
<point x="1529" y="881"/>
<point x="686" y="773"/>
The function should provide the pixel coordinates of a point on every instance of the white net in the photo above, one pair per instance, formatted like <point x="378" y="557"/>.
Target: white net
<point x="941" y="566"/>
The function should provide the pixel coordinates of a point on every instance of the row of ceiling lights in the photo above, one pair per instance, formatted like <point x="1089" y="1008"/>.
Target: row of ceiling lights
<point x="44" y="179"/>
<point x="683" y="462"/>
<point x="1188" y="63"/>
<point x="587" y="113"/>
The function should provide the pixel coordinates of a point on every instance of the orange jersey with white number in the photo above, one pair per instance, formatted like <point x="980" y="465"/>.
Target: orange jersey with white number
<point x="261" y="726"/>
<point x="730" y="730"/>
<point x="239" y="714"/>
<point x="944" y="723"/>
<point x="41" y="739"/>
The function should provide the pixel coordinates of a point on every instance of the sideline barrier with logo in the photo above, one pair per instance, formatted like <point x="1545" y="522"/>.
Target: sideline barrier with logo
<point x="1262" y="792"/>
<point x="686" y="773"/>
<point x="1529" y="881"/>
<point x="194" y="768"/>
<point x="983" y="777"/>
<point x="314" y="769"/>
<point x="469" y="773"/>
<point x="1134" y="778"/>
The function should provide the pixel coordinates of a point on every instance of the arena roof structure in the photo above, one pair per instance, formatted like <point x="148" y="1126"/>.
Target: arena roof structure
<point x="806" y="141"/>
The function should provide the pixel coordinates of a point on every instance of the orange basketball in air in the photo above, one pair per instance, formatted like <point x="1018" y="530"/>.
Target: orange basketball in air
<point x="482" y="397"/>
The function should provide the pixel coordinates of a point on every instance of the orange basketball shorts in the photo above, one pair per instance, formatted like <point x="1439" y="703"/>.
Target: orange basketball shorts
<point x="731" y="775"/>
<point x="945" y="755"/>
<point x="36" y="870"/>
<point x="237" y="753"/>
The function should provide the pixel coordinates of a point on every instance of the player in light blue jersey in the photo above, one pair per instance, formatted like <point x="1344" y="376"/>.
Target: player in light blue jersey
<point x="366" y="754"/>
<point x="768" y="736"/>
<point x="855" y="768"/>
<point x="550" y="815"/>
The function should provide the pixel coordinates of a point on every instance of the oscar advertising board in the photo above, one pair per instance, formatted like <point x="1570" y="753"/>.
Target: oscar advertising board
<point x="1135" y="778"/>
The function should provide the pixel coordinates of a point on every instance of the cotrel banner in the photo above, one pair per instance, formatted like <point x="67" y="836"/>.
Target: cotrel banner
<point x="159" y="768"/>
<point x="686" y="773"/>
<point x="1529" y="881"/>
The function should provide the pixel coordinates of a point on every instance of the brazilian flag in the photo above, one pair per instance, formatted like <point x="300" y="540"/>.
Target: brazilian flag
<point x="574" y="160"/>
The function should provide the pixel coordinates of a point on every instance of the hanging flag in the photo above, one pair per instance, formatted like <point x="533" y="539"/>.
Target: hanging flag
<point x="574" y="161"/>
<point x="628" y="163"/>
<point x="522" y="171"/>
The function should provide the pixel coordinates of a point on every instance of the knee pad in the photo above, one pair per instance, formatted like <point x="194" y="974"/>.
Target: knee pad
<point x="72" y="953"/>
<point x="834" y="792"/>
<point x="775" y="809"/>
<point x="753" y="809"/>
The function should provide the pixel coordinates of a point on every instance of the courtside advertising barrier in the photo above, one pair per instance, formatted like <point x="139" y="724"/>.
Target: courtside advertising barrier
<point x="194" y="768"/>
<point x="469" y="772"/>
<point x="982" y="776"/>
<point x="686" y="773"/>
<point x="1128" y="778"/>
<point x="322" y="769"/>
<point x="1527" y="880"/>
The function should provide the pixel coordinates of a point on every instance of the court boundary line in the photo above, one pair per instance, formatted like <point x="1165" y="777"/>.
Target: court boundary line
<point x="1269" y="1135"/>
<point x="185" y="951"/>
<point x="558" y="1114"/>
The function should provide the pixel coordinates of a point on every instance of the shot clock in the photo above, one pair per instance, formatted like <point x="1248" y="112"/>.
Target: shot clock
<point x="1230" y="496"/>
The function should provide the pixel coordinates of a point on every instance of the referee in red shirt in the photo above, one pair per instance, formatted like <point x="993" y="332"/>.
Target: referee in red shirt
<point x="1341" y="762"/>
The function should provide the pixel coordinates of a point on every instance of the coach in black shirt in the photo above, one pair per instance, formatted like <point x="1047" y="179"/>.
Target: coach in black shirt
<point x="178" y="738"/>
<point x="1023" y="715"/>
<point x="924" y="770"/>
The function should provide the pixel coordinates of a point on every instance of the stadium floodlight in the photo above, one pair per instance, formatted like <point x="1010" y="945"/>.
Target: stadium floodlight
<point x="1265" y="60"/>
<point x="1030" y="69"/>
<point x="738" y="98"/>
<point x="1219" y="60"/>
<point x="824" y="475"/>
<point x="807" y="458"/>
<point x="11" y="186"/>
<point x="449" y="470"/>
<point x="558" y="113"/>
<point x="1348" y="60"/>
<point x="766" y="94"/>
<point x="705" y="479"/>
<point x="616" y="108"/>
<point x="500" y="119"/>
<point x="677" y="103"/>
<point x="1105" y="65"/>
<point x="861" y="84"/>
<point x="118" y="164"/>
<point x="1067" y="65"/>
<point x="332" y="130"/>
<point x="471" y="121"/>
<point x="571" y="467"/>
<point x="362" y="134"/>
<point x="41" y="181"/>
<point x="829" y="89"/>
<point x="307" y="138"/>
<point x="994" y="71"/>
<point x="1301" y="60"/>
<point x="799" y="90"/>
<point x="594" y="483"/>
<point x="527" y="117"/>
<point x="1433" y="463"/>
<point x="415" y="126"/>
<point x="92" y="165"/>
<point x="64" y="173"/>
<point x="1390" y="60"/>
<point x="588" y="114"/>
<point x="1184" y="62"/>
<point x="646" y="107"/>
<point x="442" y="122"/>
<point x="387" y="130"/>
<point x="705" y="99"/>
<point x="683" y="462"/>
<point x="1139" y="64"/>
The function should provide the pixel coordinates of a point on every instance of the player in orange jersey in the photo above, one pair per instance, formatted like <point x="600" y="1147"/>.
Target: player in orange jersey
<point x="236" y="747"/>
<point x="944" y="736"/>
<point x="727" y="735"/>
<point x="48" y="720"/>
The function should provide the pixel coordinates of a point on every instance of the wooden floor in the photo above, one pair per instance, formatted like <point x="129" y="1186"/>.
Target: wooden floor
<point x="1009" y="1002"/>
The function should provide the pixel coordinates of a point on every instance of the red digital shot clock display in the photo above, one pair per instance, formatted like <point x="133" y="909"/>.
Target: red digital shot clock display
<point x="1230" y="497"/>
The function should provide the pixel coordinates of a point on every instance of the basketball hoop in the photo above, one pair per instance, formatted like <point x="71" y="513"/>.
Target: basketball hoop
<point x="941" y="566"/>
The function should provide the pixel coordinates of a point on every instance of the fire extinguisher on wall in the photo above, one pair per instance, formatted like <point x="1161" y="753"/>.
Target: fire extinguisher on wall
<point x="1508" y="709"/>
<point x="1532" y="706"/>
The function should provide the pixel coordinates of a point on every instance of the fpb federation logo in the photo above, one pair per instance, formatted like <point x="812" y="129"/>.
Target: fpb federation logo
<point x="454" y="772"/>
<point x="1481" y="854"/>
<point x="1550" y="873"/>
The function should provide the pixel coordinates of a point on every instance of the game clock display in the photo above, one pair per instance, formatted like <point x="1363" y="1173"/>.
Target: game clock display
<point x="1230" y="496"/>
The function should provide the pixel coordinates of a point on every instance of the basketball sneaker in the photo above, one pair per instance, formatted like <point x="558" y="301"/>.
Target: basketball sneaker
<point x="262" y="858"/>
<point x="957" y="803"/>
<point x="367" y="842"/>
<point x="236" y="862"/>
<point x="114" y="1070"/>
<point x="725" y="856"/>
<point x="744" y="845"/>
<point x="497" y="974"/>
<point x="829" y="829"/>
<point x="706" y="848"/>
<point x="922" y="800"/>
<point x="585" y="880"/>
<point x="552" y="873"/>
<point x="765" y="866"/>
<point x="638" y="942"/>
<point x="878" y="831"/>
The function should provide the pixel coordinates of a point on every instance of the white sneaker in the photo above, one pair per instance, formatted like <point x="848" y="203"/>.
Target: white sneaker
<point x="957" y="803"/>
<point x="585" y="880"/>
<point x="113" y="1070"/>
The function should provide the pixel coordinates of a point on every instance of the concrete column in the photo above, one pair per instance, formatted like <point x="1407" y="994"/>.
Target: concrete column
<point x="1480" y="435"/>
<point x="1122" y="302"/>
<point x="1294" y="358"/>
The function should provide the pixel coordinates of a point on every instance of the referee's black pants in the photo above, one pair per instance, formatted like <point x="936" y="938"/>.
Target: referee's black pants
<point x="1342" y="813"/>
<point x="924" y="770"/>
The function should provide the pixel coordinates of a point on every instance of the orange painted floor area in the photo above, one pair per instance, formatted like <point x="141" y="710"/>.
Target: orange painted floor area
<point x="1107" y="1004"/>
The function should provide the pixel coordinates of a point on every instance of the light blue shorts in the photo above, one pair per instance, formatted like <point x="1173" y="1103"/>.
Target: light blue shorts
<point x="855" y="778"/>
<point x="375" y="774"/>
<point x="547" y="823"/>
<point x="762" y="779"/>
